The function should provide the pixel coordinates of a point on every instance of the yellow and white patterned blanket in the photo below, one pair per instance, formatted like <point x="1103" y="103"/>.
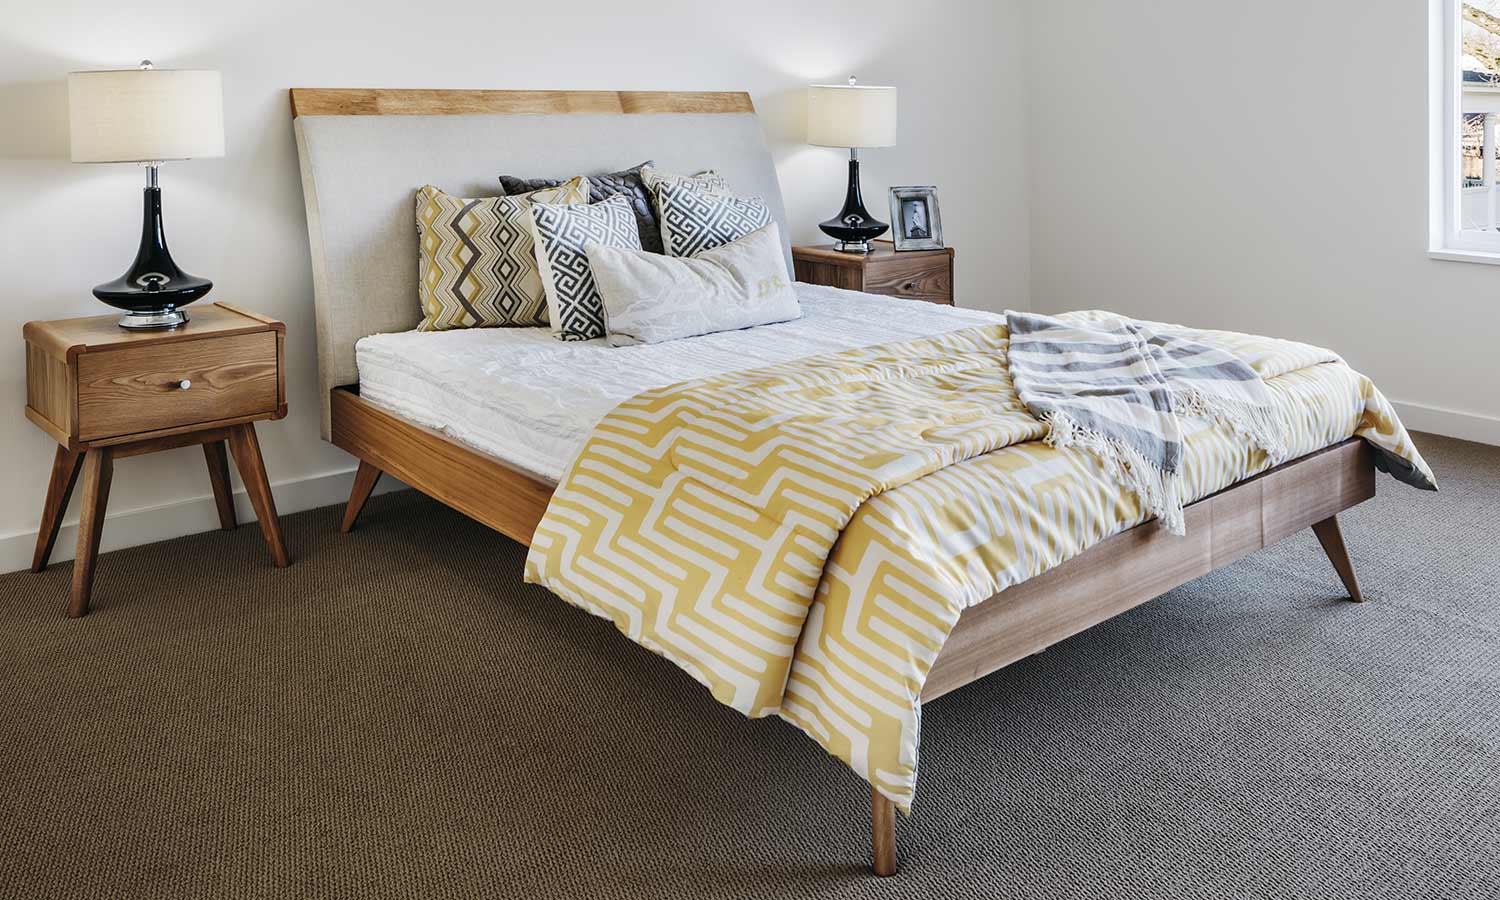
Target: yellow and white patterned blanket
<point x="802" y="538"/>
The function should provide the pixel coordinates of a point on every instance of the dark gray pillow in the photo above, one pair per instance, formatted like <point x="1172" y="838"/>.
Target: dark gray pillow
<point x="601" y="187"/>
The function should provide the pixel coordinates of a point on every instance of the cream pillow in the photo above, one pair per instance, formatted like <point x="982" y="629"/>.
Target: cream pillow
<point x="476" y="266"/>
<point x="648" y="298"/>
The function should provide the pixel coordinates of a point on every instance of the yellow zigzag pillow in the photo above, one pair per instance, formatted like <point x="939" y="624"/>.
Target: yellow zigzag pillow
<point x="476" y="266"/>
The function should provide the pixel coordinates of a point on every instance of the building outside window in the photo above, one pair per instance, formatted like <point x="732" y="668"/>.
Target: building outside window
<point x="1466" y="113"/>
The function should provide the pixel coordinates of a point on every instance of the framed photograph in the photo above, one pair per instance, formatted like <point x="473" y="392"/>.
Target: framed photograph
<point x="915" y="222"/>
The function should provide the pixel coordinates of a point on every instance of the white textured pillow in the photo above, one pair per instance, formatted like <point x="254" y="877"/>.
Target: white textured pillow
<point x="650" y="298"/>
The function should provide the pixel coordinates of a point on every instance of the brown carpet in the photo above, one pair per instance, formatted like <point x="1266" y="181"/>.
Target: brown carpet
<point x="397" y="716"/>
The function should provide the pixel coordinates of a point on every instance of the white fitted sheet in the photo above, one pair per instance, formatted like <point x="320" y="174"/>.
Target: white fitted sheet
<point x="523" y="396"/>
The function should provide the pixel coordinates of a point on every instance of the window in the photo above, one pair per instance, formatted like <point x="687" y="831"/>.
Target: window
<point x="1465" y="115"/>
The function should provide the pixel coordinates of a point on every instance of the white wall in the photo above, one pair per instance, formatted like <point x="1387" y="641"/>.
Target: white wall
<point x="239" y="220"/>
<point x="1260" y="167"/>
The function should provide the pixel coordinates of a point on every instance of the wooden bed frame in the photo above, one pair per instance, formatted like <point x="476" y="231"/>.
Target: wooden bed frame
<point x="1108" y="579"/>
<point x="1104" y="581"/>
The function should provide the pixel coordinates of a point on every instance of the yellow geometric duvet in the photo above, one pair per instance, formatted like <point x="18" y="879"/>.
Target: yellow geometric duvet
<point x="802" y="538"/>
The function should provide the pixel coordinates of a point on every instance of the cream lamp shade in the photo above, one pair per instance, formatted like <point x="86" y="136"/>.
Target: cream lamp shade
<point x="145" y="115"/>
<point x="851" y="115"/>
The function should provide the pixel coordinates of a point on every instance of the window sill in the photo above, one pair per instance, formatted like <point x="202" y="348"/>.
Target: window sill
<point x="1469" y="256"/>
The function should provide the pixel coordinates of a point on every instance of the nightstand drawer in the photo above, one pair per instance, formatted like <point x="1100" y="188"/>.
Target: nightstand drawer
<point x="913" y="279"/>
<point x="925" y="275"/>
<point x="136" y="389"/>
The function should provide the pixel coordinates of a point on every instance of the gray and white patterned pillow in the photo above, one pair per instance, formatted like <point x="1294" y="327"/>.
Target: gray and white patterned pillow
<point x="694" y="220"/>
<point x="707" y="180"/>
<point x="560" y="233"/>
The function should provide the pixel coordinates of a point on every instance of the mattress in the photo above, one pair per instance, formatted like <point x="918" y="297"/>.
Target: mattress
<point x="525" y="397"/>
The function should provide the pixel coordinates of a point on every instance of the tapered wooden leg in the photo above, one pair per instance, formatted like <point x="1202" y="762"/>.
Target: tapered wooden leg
<point x="883" y="830"/>
<point x="98" y="470"/>
<point x="364" y="483"/>
<point x="218" y="473"/>
<point x="245" y="449"/>
<point x="65" y="468"/>
<point x="1333" y="544"/>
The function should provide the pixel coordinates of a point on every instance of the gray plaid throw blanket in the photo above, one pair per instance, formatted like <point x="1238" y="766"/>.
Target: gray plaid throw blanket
<point x="1116" y="388"/>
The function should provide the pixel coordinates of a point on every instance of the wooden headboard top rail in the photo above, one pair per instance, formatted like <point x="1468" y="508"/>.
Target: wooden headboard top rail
<point x="403" y="102"/>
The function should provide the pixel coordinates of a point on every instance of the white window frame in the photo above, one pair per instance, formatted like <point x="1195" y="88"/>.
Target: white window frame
<point x="1446" y="238"/>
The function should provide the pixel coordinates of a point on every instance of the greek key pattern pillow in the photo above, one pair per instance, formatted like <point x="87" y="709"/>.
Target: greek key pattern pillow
<point x="476" y="266"/>
<point x="694" y="220"/>
<point x="560" y="233"/>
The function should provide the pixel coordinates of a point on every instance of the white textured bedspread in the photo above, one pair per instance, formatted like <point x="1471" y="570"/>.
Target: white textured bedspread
<point x="532" y="400"/>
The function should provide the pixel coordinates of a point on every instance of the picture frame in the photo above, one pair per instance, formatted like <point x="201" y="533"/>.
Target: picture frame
<point x="916" y="223"/>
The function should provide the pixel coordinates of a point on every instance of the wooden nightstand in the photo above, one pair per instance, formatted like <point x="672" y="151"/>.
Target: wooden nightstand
<point x="913" y="274"/>
<point x="104" y="393"/>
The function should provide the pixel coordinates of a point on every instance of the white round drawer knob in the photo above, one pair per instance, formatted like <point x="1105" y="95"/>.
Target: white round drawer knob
<point x="184" y="384"/>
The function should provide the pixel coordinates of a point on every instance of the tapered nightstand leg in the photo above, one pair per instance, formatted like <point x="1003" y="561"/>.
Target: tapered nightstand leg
<point x="65" y="468"/>
<point x="364" y="483"/>
<point x="98" y="470"/>
<point x="218" y="473"/>
<point x="246" y="451"/>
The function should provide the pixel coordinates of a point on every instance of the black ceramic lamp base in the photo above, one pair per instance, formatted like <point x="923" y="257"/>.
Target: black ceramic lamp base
<point x="154" y="290"/>
<point x="854" y="228"/>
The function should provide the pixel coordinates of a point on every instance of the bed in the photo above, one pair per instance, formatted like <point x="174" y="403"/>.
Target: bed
<point x="537" y="398"/>
<point x="476" y="419"/>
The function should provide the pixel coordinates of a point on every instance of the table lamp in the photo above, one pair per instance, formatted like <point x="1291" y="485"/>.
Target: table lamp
<point x="147" y="116"/>
<point x="852" y="115"/>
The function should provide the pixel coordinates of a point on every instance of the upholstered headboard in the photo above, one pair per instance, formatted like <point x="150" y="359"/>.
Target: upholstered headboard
<point x="364" y="153"/>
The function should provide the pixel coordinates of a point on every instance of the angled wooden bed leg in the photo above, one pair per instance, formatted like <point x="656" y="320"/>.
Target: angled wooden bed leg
<point x="883" y="830"/>
<point x="364" y="483"/>
<point x="1333" y="544"/>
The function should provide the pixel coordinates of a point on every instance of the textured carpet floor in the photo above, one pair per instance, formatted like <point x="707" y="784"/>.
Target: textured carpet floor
<point x="397" y="716"/>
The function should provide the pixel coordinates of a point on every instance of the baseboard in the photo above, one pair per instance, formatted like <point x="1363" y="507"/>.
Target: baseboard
<point x="1449" y="422"/>
<point x="133" y="527"/>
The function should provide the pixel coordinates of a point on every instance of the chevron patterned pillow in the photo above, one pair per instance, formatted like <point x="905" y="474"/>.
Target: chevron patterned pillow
<point x="476" y="267"/>
<point x="694" y="219"/>
<point x="559" y="234"/>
